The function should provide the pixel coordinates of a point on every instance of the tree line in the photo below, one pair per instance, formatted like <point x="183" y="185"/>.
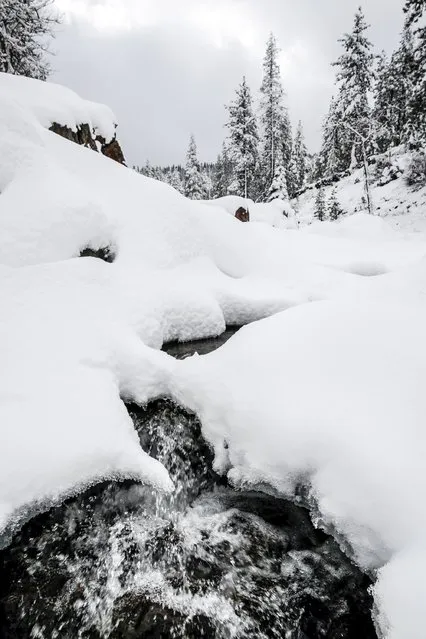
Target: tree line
<point x="260" y="159"/>
<point x="379" y="104"/>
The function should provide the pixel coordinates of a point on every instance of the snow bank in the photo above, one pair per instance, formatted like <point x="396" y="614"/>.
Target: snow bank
<point x="278" y="213"/>
<point x="329" y="396"/>
<point x="51" y="103"/>
<point x="391" y="197"/>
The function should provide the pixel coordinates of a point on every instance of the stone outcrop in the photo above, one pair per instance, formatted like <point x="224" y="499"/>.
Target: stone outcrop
<point x="86" y="137"/>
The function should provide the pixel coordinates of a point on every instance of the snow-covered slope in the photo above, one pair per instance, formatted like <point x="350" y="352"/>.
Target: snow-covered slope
<point x="326" y="394"/>
<point x="391" y="197"/>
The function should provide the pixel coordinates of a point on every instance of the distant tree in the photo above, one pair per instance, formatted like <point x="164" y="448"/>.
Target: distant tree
<point x="222" y="174"/>
<point x="330" y="160"/>
<point x="278" y="187"/>
<point x="243" y="140"/>
<point x="334" y="208"/>
<point x="207" y="184"/>
<point x="25" y="28"/>
<point x="354" y="79"/>
<point x="276" y="130"/>
<point x="194" y="183"/>
<point x="320" y="205"/>
<point x="296" y="172"/>
<point x="175" y="180"/>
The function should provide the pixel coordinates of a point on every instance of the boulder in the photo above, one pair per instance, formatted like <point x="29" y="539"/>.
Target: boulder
<point x="242" y="214"/>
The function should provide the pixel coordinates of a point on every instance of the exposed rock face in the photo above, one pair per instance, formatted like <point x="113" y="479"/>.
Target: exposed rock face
<point x="242" y="214"/>
<point x="85" y="137"/>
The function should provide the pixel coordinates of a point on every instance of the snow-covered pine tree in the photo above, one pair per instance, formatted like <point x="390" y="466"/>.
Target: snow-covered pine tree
<point x="278" y="188"/>
<point x="243" y="140"/>
<point x="320" y="205"/>
<point x="25" y="27"/>
<point x="383" y="105"/>
<point x="393" y="92"/>
<point x="330" y="160"/>
<point x="276" y="130"/>
<point x="334" y="208"/>
<point x="194" y="183"/>
<point x="222" y="173"/>
<point x="415" y="131"/>
<point x="175" y="180"/>
<point x="354" y="78"/>
<point x="296" y="173"/>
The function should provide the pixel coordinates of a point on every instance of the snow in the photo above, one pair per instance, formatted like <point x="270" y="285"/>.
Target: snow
<point x="324" y="388"/>
<point x="328" y="395"/>
<point x="278" y="213"/>
<point x="390" y="198"/>
<point x="51" y="103"/>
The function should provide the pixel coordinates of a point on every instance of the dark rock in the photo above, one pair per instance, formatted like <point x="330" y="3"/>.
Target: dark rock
<point x="105" y="253"/>
<point x="242" y="214"/>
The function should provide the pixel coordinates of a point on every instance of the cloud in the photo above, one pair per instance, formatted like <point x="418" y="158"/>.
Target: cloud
<point x="167" y="68"/>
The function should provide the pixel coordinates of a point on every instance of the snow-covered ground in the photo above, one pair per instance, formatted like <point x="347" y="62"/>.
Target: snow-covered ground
<point x="328" y="394"/>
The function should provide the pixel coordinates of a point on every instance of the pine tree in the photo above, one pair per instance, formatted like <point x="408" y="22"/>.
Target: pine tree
<point x="194" y="183"/>
<point x="354" y="78"/>
<point x="222" y="175"/>
<point x="25" y="28"/>
<point x="296" y="174"/>
<point x="278" y="188"/>
<point x="383" y="105"/>
<point x="320" y="207"/>
<point x="393" y="91"/>
<point x="334" y="208"/>
<point x="330" y="160"/>
<point x="175" y="180"/>
<point x="243" y="140"/>
<point x="415" y="131"/>
<point x="276" y="130"/>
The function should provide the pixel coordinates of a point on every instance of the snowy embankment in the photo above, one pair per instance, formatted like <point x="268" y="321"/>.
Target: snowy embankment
<point x="403" y="207"/>
<point x="327" y="395"/>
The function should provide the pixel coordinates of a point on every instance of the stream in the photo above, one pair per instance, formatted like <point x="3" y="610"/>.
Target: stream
<point x="120" y="561"/>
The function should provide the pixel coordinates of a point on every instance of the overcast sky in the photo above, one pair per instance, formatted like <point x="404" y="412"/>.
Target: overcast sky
<point x="167" y="67"/>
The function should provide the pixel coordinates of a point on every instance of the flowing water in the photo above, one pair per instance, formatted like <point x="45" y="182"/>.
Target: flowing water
<point x="123" y="562"/>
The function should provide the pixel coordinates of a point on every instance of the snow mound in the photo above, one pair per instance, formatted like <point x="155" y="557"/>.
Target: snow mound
<point x="329" y="396"/>
<point x="278" y="213"/>
<point x="51" y="103"/>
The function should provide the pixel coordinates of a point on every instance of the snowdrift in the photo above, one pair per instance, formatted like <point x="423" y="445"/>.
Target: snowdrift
<point x="328" y="394"/>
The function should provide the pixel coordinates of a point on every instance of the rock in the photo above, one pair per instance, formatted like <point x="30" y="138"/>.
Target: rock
<point x="242" y="214"/>
<point x="105" y="253"/>
<point x="84" y="136"/>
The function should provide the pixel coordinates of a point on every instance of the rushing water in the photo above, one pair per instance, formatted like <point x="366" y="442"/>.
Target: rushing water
<point x="123" y="562"/>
